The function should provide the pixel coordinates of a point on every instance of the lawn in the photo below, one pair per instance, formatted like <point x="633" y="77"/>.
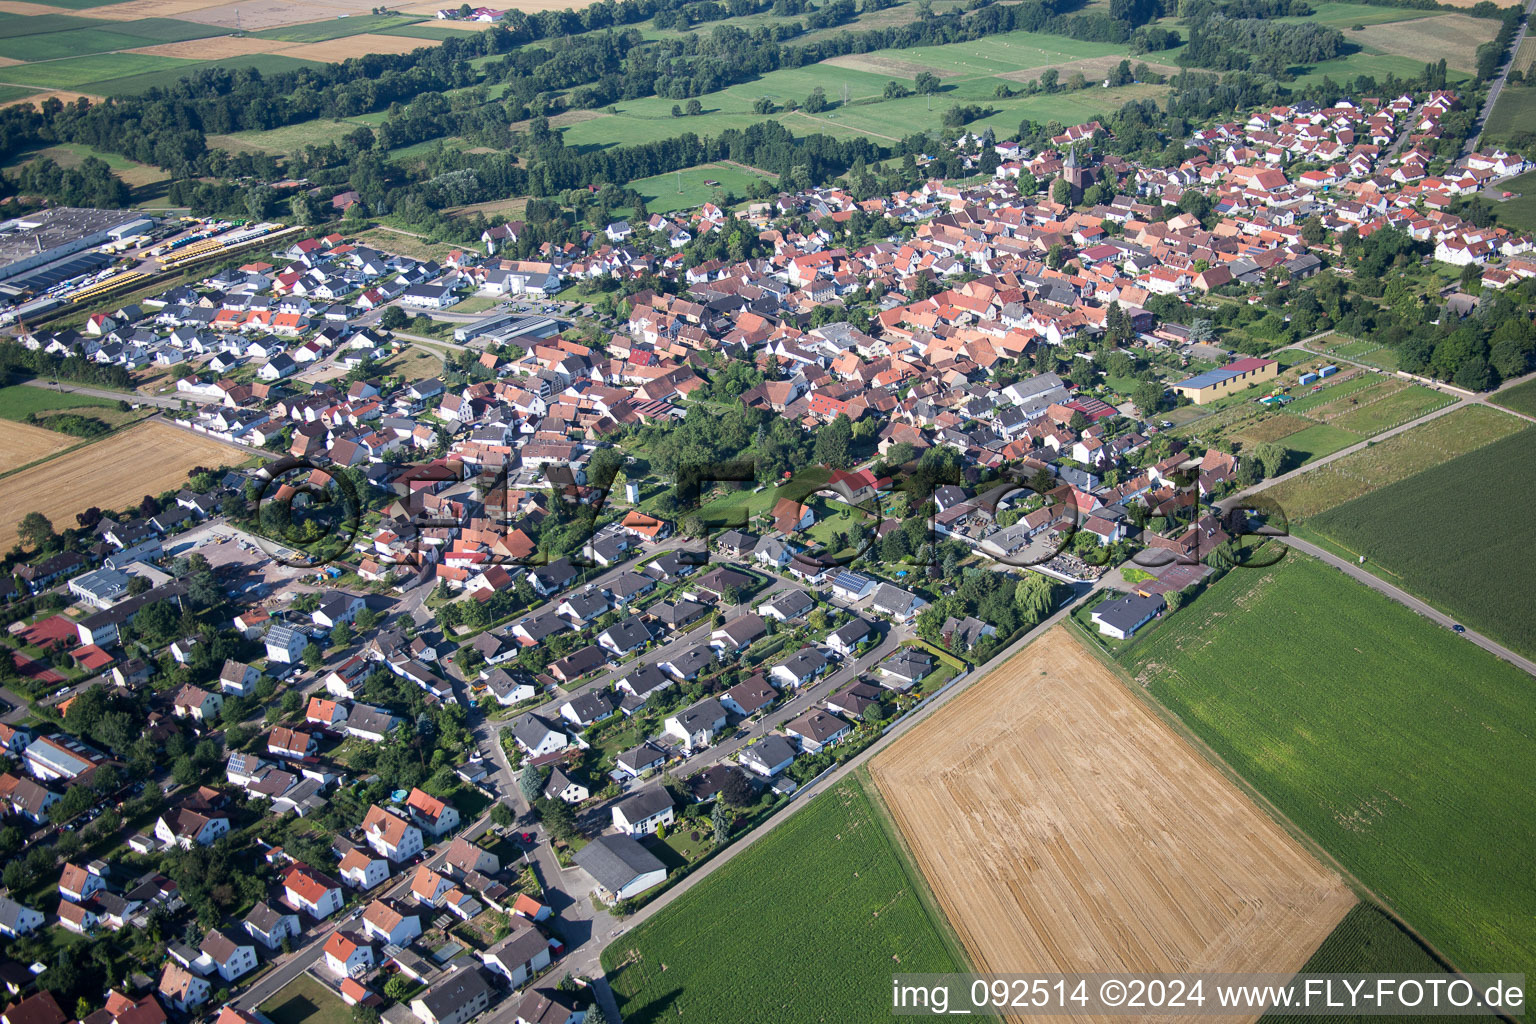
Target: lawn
<point x="1521" y="398"/>
<point x="1314" y="442"/>
<point x="17" y="400"/>
<point x="1453" y="533"/>
<point x="1395" y="744"/>
<point x="662" y="195"/>
<point x="305" y="1001"/>
<point x="836" y="889"/>
<point x="1396" y="458"/>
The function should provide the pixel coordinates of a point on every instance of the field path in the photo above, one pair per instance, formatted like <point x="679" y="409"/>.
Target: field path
<point x="1407" y="600"/>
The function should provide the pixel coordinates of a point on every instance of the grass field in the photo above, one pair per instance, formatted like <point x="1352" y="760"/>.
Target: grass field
<point x="1344" y="16"/>
<point x="305" y="1001"/>
<point x="72" y="154"/>
<point x="1455" y="37"/>
<point x="1064" y="827"/>
<point x="18" y="400"/>
<point x="1387" y="461"/>
<point x="21" y="443"/>
<point x="831" y="883"/>
<point x="1395" y="744"/>
<point x="662" y="195"/>
<point x="1521" y="398"/>
<point x="111" y="473"/>
<point x="971" y="71"/>
<point x="1453" y="533"/>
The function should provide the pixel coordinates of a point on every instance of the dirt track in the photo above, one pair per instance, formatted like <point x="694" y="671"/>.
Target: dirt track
<point x="1064" y="828"/>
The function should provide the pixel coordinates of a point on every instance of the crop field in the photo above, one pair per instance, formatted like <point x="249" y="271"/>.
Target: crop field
<point x="1450" y="534"/>
<point x="336" y="28"/>
<point x="1065" y="827"/>
<point x="78" y="72"/>
<point x="833" y="883"/>
<point x="1395" y="744"/>
<point x="132" y="85"/>
<point x="1396" y="458"/>
<point x="1455" y="37"/>
<point x="112" y="473"/>
<point x="1521" y="398"/>
<point x="21" y="443"/>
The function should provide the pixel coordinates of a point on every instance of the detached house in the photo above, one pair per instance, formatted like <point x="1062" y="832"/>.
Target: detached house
<point x="643" y="811"/>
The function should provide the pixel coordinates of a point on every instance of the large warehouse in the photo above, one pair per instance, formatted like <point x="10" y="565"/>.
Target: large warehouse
<point x="40" y="238"/>
<point x="1213" y="384"/>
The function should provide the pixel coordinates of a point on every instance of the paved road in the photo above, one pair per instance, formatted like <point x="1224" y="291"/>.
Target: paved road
<point x="126" y="396"/>
<point x="1498" y="83"/>
<point x="1406" y="599"/>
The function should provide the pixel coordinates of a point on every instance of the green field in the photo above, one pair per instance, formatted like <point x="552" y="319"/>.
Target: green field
<point x="971" y="72"/>
<point x="1452" y="534"/>
<point x="1514" y="113"/>
<point x="1345" y="16"/>
<point x="1521" y="398"/>
<point x="334" y="28"/>
<point x="1394" y="459"/>
<point x="14" y="92"/>
<point x="13" y="25"/>
<point x="1398" y="746"/>
<point x="1373" y="352"/>
<point x="103" y="37"/>
<point x="662" y="195"/>
<point x="1377" y="65"/>
<point x="74" y="72"/>
<point x="134" y="84"/>
<point x="805" y="925"/>
<point x="18" y="400"/>
<point x="1368" y="941"/>
<point x="1314" y="442"/>
<point x="1393" y="410"/>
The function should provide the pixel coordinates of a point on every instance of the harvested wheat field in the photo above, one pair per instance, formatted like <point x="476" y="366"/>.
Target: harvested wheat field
<point x="879" y="64"/>
<point x="21" y="443"/>
<point x="112" y="473"/>
<point x="1066" y="828"/>
<point x="213" y="48"/>
<point x="63" y="96"/>
<point x="1455" y="37"/>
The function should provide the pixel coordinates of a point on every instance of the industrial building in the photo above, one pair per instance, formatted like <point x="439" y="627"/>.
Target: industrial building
<point x="39" y="239"/>
<point x="1213" y="384"/>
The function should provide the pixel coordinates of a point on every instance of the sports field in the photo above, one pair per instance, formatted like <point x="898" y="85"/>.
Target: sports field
<point x="1457" y="535"/>
<point x="1399" y="456"/>
<point x="112" y="473"/>
<point x="1064" y="827"/>
<point x="662" y="195"/>
<point x="1392" y="742"/>
<point x="807" y="924"/>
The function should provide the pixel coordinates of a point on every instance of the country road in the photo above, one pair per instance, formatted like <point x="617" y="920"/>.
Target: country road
<point x="1497" y="87"/>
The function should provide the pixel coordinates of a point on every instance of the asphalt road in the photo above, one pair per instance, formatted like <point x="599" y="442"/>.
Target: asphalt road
<point x="1498" y="83"/>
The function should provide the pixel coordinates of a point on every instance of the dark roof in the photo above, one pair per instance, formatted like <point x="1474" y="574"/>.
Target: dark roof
<point x="455" y="991"/>
<point x="615" y="861"/>
<point x="643" y="803"/>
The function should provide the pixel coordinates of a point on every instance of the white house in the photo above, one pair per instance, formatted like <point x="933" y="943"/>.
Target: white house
<point x="643" y="811"/>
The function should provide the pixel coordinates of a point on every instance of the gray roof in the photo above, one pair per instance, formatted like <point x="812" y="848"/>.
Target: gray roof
<point x="771" y="750"/>
<point x="643" y="803"/>
<point x="615" y="861"/>
<point x="1130" y="611"/>
<point x="457" y="990"/>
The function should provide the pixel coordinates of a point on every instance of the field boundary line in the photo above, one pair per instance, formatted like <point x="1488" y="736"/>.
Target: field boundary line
<point x="1362" y="891"/>
<point x="919" y="882"/>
